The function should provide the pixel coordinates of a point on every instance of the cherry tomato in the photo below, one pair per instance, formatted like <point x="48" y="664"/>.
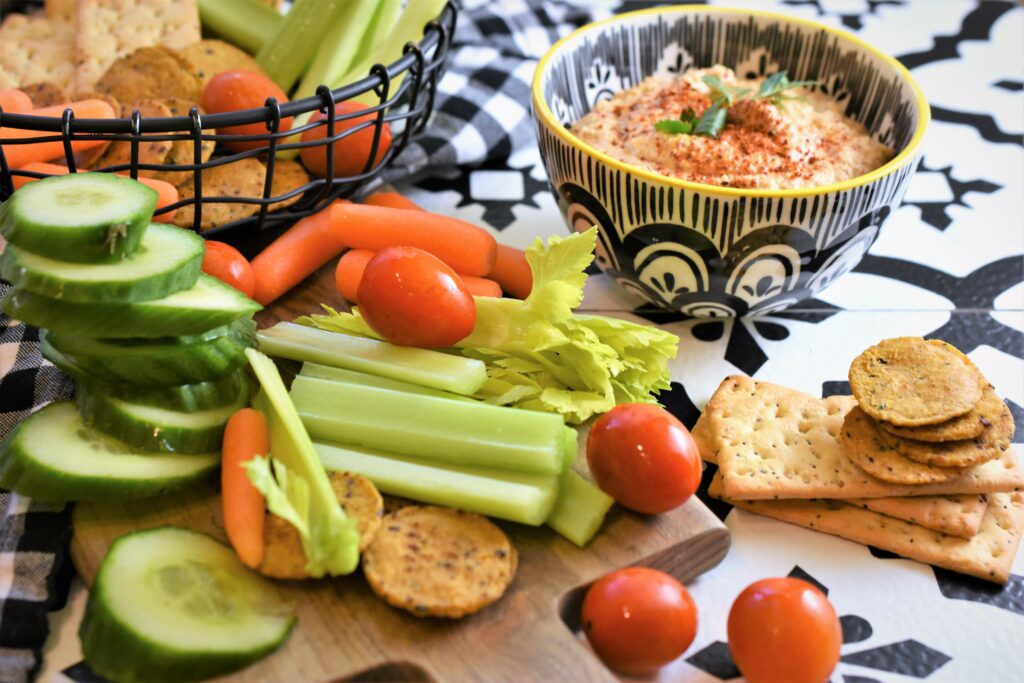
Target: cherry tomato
<point x="227" y="264"/>
<point x="643" y="457"/>
<point x="412" y="298"/>
<point x="639" y="619"/>
<point x="351" y="151"/>
<point x="784" y="630"/>
<point x="241" y="89"/>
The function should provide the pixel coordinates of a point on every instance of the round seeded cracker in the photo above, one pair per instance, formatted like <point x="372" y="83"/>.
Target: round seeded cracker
<point x="878" y="453"/>
<point x="284" y="557"/>
<point x="149" y="152"/>
<point x="970" y="425"/>
<point x="46" y="94"/>
<point x="150" y="72"/>
<point x="439" y="562"/>
<point x="991" y="444"/>
<point x="288" y="175"/>
<point x="242" y="178"/>
<point x="210" y="57"/>
<point x="910" y="382"/>
<point x="182" y="151"/>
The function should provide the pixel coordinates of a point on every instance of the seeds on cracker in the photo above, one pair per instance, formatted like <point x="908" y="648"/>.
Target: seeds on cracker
<point x="242" y="178"/>
<point x="150" y="72"/>
<point x="439" y="562"/>
<point x="910" y="382"/>
<point x="46" y="94"/>
<point x="954" y="515"/>
<point x="120" y="152"/>
<point x="183" y="151"/>
<point x="992" y="442"/>
<point x="966" y="426"/>
<point x="210" y="57"/>
<point x="288" y="175"/>
<point x="284" y="557"/>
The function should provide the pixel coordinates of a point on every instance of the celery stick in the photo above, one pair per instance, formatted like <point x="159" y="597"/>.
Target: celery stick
<point x="569" y="444"/>
<point x="379" y="29"/>
<point x="291" y="50"/>
<point x="340" y="47"/>
<point x="515" y="496"/>
<point x="365" y="380"/>
<point x="417" y="366"/>
<point x="333" y="547"/>
<point x="249" y="24"/>
<point x="580" y="508"/>
<point x="459" y="432"/>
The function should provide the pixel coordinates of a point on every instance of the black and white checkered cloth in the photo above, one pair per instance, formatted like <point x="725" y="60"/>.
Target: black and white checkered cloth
<point x="482" y="114"/>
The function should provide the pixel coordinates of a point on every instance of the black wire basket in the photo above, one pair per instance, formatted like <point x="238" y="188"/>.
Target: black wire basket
<point x="405" y="107"/>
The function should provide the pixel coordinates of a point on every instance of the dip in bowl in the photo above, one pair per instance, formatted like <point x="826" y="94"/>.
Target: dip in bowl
<point x="786" y="196"/>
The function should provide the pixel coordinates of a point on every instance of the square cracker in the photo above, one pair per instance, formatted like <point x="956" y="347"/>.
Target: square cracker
<point x="955" y="515"/>
<point x="106" y="30"/>
<point x="776" y="442"/>
<point x="988" y="555"/>
<point x="35" y="49"/>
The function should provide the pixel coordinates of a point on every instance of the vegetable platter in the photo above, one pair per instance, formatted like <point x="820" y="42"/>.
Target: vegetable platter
<point x="344" y="630"/>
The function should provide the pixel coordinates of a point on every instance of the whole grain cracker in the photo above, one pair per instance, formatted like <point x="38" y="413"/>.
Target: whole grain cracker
<point x="242" y="178"/>
<point x="776" y="442"/>
<point x="910" y="382"/>
<point x="120" y="152"/>
<point x="46" y="94"/>
<point x="183" y="151"/>
<point x="150" y="73"/>
<point x="110" y="30"/>
<point x="285" y="558"/>
<point x="36" y="49"/>
<point x="993" y="440"/>
<point x="967" y="426"/>
<point x="288" y="176"/>
<point x="988" y="555"/>
<point x="956" y="515"/>
<point x="211" y="57"/>
<point x="439" y="562"/>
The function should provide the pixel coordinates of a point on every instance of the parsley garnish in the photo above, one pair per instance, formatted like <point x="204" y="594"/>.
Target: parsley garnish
<point x="714" y="118"/>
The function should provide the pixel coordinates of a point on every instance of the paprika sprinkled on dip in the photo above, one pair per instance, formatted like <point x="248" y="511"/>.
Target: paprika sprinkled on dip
<point x="708" y="126"/>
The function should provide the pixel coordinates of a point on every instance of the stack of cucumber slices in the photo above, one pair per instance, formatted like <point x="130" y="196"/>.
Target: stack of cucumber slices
<point x="157" y="347"/>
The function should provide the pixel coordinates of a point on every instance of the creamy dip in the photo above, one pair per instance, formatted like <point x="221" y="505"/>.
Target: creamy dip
<point x="802" y="142"/>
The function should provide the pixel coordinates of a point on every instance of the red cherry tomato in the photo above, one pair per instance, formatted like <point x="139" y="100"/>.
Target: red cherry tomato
<point x="227" y="264"/>
<point x="351" y="151"/>
<point x="639" y="619"/>
<point x="241" y="89"/>
<point x="784" y="630"/>
<point x="644" y="458"/>
<point x="412" y="298"/>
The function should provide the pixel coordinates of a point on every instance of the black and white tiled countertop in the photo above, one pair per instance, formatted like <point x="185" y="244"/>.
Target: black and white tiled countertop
<point x="949" y="263"/>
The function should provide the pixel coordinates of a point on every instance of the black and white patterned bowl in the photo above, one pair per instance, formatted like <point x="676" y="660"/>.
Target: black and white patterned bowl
<point x="710" y="251"/>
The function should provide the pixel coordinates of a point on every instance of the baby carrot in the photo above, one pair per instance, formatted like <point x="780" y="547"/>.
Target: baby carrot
<point x="512" y="272"/>
<point x="167" y="194"/>
<point x="245" y="437"/>
<point x="352" y="263"/>
<point x="465" y="247"/>
<point x="14" y="101"/>
<point x="20" y="155"/>
<point x="392" y="200"/>
<point x="296" y="255"/>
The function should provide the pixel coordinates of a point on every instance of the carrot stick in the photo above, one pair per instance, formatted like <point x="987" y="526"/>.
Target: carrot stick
<point x="392" y="200"/>
<point x="465" y="247"/>
<point x="167" y="194"/>
<point x="14" y="101"/>
<point x="245" y="437"/>
<point x="20" y="155"/>
<point x="296" y="255"/>
<point x="512" y="272"/>
<point x="351" y="265"/>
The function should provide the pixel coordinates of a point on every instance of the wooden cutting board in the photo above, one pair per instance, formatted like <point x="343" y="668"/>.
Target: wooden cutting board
<point x="345" y="632"/>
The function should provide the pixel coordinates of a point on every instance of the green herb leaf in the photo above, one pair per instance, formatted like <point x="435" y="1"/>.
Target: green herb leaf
<point x="712" y="121"/>
<point x="773" y="87"/>
<point x="720" y="92"/>
<point x="673" y="127"/>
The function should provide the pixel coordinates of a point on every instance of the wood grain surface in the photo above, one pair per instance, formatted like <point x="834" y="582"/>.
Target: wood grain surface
<point x="346" y="633"/>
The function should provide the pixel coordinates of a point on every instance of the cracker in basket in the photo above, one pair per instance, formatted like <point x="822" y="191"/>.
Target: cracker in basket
<point x="150" y="72"/>
<point x="776" y="442"/>
<point x="182" y="151"/>
<point x="439" y="562"/>
<point x="60" y="9"/>
<point x="109" y="30"/>
<point x="288" y="175"/>
<point x="988" y="555"/>
<point x="155" y="152"/>
<point x="46" y="94"/>
<point x="967" y="426"/>
<point x="955" y="515"/>
<point x="35" y="49"/>
<point x="910" y="382"/>
<point x="242" y="178"/>
<point x="284" y="557"/>
<point x="210" y="57"/>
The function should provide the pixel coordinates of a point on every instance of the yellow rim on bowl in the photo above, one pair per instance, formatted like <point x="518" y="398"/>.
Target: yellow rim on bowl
<point x="897" y="162"/>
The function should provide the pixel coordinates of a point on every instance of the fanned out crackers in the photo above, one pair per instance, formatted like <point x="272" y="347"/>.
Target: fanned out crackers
<point x="951" y="498"/>
<point x="36" y="49"/>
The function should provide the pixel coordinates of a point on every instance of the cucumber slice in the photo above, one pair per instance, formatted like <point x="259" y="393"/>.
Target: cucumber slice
<point x="156" y="429"/>
<point x="79" y="217"/>
<point x="210" y="303"/>
<point x="53" y="455"/>
<point x="172" y="604"/>
<point x="189" y="397"/>
<point x="167" y="261"/>
<point x="157" y="362"/>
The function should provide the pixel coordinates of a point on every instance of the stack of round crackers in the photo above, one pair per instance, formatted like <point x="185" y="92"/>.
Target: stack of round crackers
<point x="925" y="413"/>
